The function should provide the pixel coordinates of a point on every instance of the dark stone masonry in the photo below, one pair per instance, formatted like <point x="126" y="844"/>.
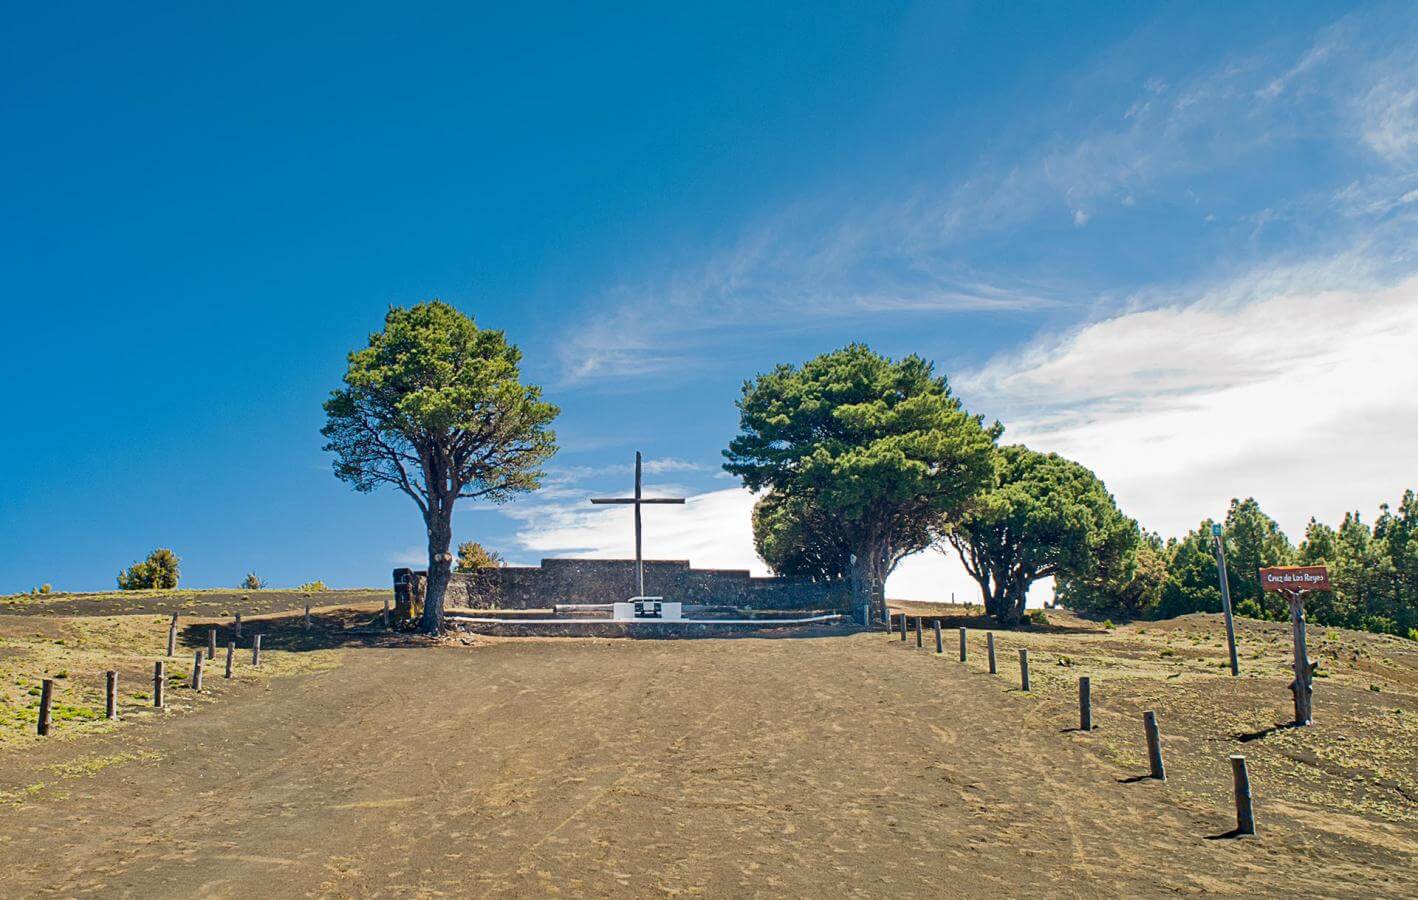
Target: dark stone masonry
<point x="610" y="580"/>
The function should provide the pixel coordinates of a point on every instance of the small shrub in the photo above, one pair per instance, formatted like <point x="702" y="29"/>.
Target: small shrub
<point x="1250" y="609"/>
<point x="1038" y="619"/>
<point x="1376" y="689"/>
<point x="1169" y="652"/>
<point x="1108" y="624"/>
<point x="473" y="556"/>
<point x="311" y="587"/>
<point x="1413" y="634"/>
<point x="160" y="571"/>
<point x="252" y="582"/>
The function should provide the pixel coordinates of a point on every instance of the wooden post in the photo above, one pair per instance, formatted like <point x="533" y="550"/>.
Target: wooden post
<point x="990" y="650"/>
<point x="920" y="638"/>
<point x="211" y="643"/>
<point x="1245" y="815"/>
<point x="307" y="617"/>
<point x="1301" y="686"/>
<point x="197" y="671"/>
<point x="237" y="625"/>
<point x="46" y="697"/>
<point x="1154" y="745"/>
<point x="1024" y="669"/>
<point x="386" y="612"/>
<point x="256" y="650"/>
<point x="962" y="644"/>
<point x="172" y="636"/>
<point x="110" y="694"/>
<point x="939" y="641"/>
<point x="1085" y="703"/>
<point x="903" y="628"/>
<point x="159" y="682"/>
<point x="230" y="652"/>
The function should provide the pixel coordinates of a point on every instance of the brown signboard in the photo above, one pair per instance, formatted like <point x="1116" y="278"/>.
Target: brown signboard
<point x="1295" y="578"/>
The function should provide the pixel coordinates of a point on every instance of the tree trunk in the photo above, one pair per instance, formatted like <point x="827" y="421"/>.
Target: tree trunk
<point x="868" y="580"/>
<point x="440" y="568"/>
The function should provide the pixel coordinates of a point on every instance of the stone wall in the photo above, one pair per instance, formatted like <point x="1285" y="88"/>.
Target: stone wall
<point x="610" y="580"/>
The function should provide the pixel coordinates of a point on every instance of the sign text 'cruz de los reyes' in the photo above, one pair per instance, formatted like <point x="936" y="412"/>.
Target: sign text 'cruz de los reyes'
<point x="1295" y="578"/>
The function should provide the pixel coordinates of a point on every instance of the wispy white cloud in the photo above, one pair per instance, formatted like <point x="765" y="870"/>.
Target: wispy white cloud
<point x="837" y="255"/>
<point x="1263" y="388"/>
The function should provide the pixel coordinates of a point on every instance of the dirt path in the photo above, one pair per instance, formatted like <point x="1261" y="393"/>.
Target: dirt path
<point x="583" y="767"/>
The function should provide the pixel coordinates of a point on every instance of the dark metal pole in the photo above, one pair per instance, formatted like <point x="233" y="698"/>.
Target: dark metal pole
<point x="1226" y="598"/>
<point x="639" y="562"/>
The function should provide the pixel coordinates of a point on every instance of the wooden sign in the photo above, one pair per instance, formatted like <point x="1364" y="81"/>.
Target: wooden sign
<point x="1295" y="578"/>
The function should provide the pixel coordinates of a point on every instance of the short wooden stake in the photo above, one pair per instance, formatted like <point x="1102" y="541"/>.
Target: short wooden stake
<point x="903" y="628"/>
<point x="172" y="636"/>
<point x="307" y="616"/>
<point x="237" y="625"/>
<point x="1154" y="745"/>
<point x="197" y="671"/>
<point x="1023" y="668"/>
<point x="920" y="638"/>
<point x="990" y="651"/>
<point x="1085" y="703"/>
<point x="962" y="645"/>
<point x="256" y="650"/>
<point x="110" y="694"/>
<point x="939" y="641"/>
<point x="211" y="643"/>
<point x="159" y="682"/>
<point x="46" y="697"/>
<point x="230" y="653"/>
<point x="1245" y="815"/>
<point x="386" y="612"/>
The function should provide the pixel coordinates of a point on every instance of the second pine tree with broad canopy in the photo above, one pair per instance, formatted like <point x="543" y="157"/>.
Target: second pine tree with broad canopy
<point x="865" y="460"/>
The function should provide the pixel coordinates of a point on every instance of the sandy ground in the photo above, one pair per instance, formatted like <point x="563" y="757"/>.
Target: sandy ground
<point x="825" y="763"/>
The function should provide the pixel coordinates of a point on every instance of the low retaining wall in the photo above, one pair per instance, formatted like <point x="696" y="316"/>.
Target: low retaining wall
<point x="611" y="580"/>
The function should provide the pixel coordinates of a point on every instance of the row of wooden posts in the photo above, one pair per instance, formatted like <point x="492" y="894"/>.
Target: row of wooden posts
<point x="46" y="693"/>
<point x="1241" y="783"/>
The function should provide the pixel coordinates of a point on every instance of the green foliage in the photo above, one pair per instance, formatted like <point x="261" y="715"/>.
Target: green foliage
<point x="435" y="407"/>
<point x="311" y="587"/>
<point x="1044" y="516"/>
<point x="160" y="571"/>
<point x="879" y="448"/>
<point x="1248" y="608"/>
<point x="797" y="539"/>
<point x="252" y="582"/>
<point x="1038" y="618"/>
<point x="1129" y="591"/>
<point x="1374" y="570"/>
<point x="473" y="556"/>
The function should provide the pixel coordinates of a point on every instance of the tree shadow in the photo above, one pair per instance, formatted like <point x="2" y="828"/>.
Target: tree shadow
<point x="329" y="629"/>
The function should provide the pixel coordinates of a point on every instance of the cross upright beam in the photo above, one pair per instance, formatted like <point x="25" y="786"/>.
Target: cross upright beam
<point x="638" y="501"/>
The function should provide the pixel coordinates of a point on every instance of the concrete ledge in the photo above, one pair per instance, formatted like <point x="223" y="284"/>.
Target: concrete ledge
<point x="641" y="629"/>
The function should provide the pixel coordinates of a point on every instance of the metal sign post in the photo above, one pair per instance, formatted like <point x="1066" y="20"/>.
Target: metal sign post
<point x="1292" y="582"/>
<point x="1226" y="598"/>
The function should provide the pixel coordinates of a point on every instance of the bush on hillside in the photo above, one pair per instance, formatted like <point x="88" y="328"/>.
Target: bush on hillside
<point x="160" y="571"/>
<point x="252" y="582"/>
<point x="311" y="587"/>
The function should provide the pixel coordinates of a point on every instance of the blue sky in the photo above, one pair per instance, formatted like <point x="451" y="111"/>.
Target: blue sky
<point x="1176" y="242"/>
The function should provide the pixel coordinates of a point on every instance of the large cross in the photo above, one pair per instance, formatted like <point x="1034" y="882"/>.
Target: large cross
<point x="638" y="501"/>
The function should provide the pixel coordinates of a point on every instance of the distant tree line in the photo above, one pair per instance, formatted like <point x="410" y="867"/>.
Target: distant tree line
<point x="1374" y="570"/>
<point x="862" y="460"/>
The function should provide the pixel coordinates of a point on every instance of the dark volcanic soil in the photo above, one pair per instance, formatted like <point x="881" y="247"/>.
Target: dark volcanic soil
<point x="819" y="764"/>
